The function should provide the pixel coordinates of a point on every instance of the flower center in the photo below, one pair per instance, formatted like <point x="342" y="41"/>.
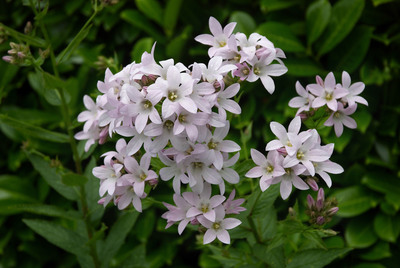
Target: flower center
<point x="269" y="169"/>
<point x="172" y="96"/>
<point x="204" y="207"/>
<point x="288" y="171"/>
<point x="256" y="71"/>
<point x="237" y="57"/>
<point x="245" y="71"/>
<point x="182" y="118"/>
<point x="288" y="143"/>
<point x="300" y="155"/>
<point x="216" y="225"/>
<point x="222" y="43"/>
<point x="169" y="124"/>
<point x="336" y="114"/>
<point x="147" y="104"/>
<point x="198" y="164"/>
<point x="329" y="96"/>
<point x="142" y="176"/>
<point x="212" y="145"/>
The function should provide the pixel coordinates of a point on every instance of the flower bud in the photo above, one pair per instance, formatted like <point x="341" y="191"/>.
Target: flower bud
<point x="310" y="201"/>
<point x="320" y="220"/>
<point x="312" y="183"/>
<point x="332" y="211"/>
<point x="28" y="28"/>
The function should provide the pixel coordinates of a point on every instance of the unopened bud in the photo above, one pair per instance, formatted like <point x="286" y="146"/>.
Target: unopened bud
<point x="321" y="195"/>
<point x="28" y="28"/>
<point x="312" y="183"/>
<point x="320" y="220"/>
<point x="194" y="222"/>
<point x="332" y="211"/>
<point x="310" y="201"/>
<point x="153" y="182"/>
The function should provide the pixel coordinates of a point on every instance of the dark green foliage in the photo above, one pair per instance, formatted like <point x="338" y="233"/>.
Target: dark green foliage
<point x="49" y="216"/>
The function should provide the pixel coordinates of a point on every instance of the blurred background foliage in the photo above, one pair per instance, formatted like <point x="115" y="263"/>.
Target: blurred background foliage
<point x="46" y="221"/>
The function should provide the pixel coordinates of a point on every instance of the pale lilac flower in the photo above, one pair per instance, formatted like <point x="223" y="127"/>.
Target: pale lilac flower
<point x="216" y="70"/>
<point x="108" y="175"/>
<point x="291" y="177"/>
<point x="227" y="173"/>
<point x="203" y="203"/>
<point x="91" y="135"/>
<point x="341" y="117"/>
<point x="199" y="170"/>
<point x="174" y="170"/>
<point x="267" y="168"/>
<point x="126" y="196"/>
<point x="92" y="115"/>
<point x="352" y="97"/>
<point x="323" y="168"/>
<point x="304" y="101"/>
<point x="119" y="155"/>
<point x="218" y="228"/>
<point x="233" y="206"/>
<point x="138" y="139"/>
<point x="224" y="102"/>
<point x="178" y="213"/>
<point x="219" y="38"/>
<point x="328" y="93"/>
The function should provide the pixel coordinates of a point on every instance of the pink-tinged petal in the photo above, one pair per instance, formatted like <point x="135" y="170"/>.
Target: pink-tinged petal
<point x="155" y="117"/>
<point x="182" y="225"/>
<point x="357" y="88"/>
<point x="255" y="172"/>
<point x="221" y="132"/>
<point x="332" y="104"/>
<point x="176" y="184"/>
<point x="230" y="223"/>
<point x="124" y="201"/>
<point x="168" y="108"/>
<point x="126" y="131"/>
<point x="178" y="128"/>
<point x="331" y="167"/>
<point x="167" y="173"/>
<point x="89" y="103"/>
<point x="340" y="92"/>
<point x="145" y="162"/>
<point x="268" y="83"/>
<point x="299" y="183"/>
<point x="273" y="145"/>
<point x="290" y="161"/>
<point x="203" y="221"/>
<point x="276" y="69"/>
<point x="338" y="126"/>
<point x="211" y="176"/>
<point x="258" y="157"/>
<point x="141" y="122"/>
<point x="318" y="102"/>
<point x="138" y="187"/>
<point x="210" y="215"/>
<point x="315" y="89"/>
<point x="326" y="178"/>
<point x="230" y="175"/>
<point x="285" y="188"/>
<point x="310" y="167"/>
<point x="330" y="81"/>
<point x="206" y="39"/>
<point x="218" y="160"/>
<point x="318" y="155"/>
<point x="228" y="146"/>
<point x="133" y="145"/>
<point x="349" y="122"/>
<point x="215" y="26"/>
<point x="360" y="100"/>
<point x="173" y="77"/>
<point x="193" y="211"/>
<point x="137" y="204"/>
<point x="265" y="184"/>
<point x="295" y="125"/>
<point x="346" y="81"/>
<point x="230" y="91"/>
<point x="153" y="130"/>
<point x="216" y="200"/>
<point x="188" y="104"/>
<point x="278" y="130"/>
<point x="209" y="236"/>
<point x="192" y="132"/>
<point x="301" y="90"/>
<point x="297" y="102"/>
<point x="190" y="197"/>
<point x="107" y="186"/>
<point x="131" y="164"/>
<point x="223" y="236"/>
<point x="228" y="29"/>
<point x="231" y="106"/>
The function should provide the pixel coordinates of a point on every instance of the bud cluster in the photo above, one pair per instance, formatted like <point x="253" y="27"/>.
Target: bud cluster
<point x="320" y="210"/>
<point x="19" y="54"/>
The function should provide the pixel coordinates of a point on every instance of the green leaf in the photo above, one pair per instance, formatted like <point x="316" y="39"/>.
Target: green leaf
<point x="273" y="5"/>
<point x="33" y="131"/>
<point x="302" y="67"/>
<point x="369" y="265"/>
<point x="31" y="40"/>
<point x="381" y="2"/>
<point x="66" y="53"/>
<point x="350" y="53"/>
<point x="146" y="224"/>
<point x="73" y="179"/>
<point x="171" y="15"/>
<point x="380" y="251"/>
<point x="315" y="258"/>
<point x="14" y="191"/>
<point x="116" y="236"/>
<point x="45" y="210"/>
<point x="92" y="192"/>
<point x="317" y="18"/>
<point x="152" y="9"/>
<point x="281" y="35"/>
<point x="363" y="119"/>
<point x="345" y="14"/>
<point x="245" y="22"/>
<point x="6" y="76"/>
<point x="51" y="176"/>
<point x="137" y="258"/>
<point x="358" y="232"/>
<point x="273" y="257"/>
<point x="142" y="45"/>
<point x="63" y="238"/>
<point x="353" y="201"/>
<point x="139" y="21"/>
<point x="387" y="227"/>
<point x="386" y="183"/>
<point x="177" y="45"/>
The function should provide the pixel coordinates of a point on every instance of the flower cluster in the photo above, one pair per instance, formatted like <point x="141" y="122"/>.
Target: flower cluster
<point x="178" y="114"/>
<point x="292" y="156"/>
<point x="340" y="99"/>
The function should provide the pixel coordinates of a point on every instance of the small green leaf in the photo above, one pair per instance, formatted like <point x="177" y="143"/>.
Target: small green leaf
<point x="281" y="35"/>
<point x="171" y="15"/>
<point x="317" y="18"/>
<point x="139" y="21"/>
<point x="51" y="176"/>
<point x="137" y="258"/>
<point x="303" y="67"/>
<point x="45" y="210"/>
<point x="353" y="201"/>
<point x="31" y="40"/>
<point x="177" y="45"/>
<point x="363" y="118"/>
<point x="358" y="232"/>
<point x="152" y="9"/>
<point x="33" y="131"/>
<point x="387" y="227"/>
<point x="146" y="224"/>
<point x="245" y="22"/>
<point x="379" y="251"/>
<point x="350" y="53"/>
<point x="316" y="258"/>
<point x="92" y="192"/>
<point x="64" y="238"/>
<point x="381" y="2"/>
<point x="73" y="179"/>
<point x="345" y="14"/>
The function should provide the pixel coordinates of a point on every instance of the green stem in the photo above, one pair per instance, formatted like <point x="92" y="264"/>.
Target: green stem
<point x="252" y="223"/>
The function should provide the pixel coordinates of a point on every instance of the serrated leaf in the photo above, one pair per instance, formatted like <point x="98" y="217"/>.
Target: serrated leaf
<point x="51" y="176"/>
<point x="315" y="258"/>
<point x="317" y="18"/>
<point x="73" y="179"/>
<point x="171" y="15"/>
<point x="63" y="238"/>
<point x="116" y="236"/>
<point x="358" y="232"/>
<point x="152" y="9"/>
<point x="33" y="131"/>
<point x="345" y="14"/>
<point x="387" y="227"/>
<point x="244" y="22"/>
<point x="350" y="53"/>
<point x="353" y="201"/>
<point x="281" y="35"/>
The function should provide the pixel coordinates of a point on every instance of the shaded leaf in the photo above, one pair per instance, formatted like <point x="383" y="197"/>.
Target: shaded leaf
<point x="152" y="9"/>
<point x="135" y="18"/>
<point x="45" y="210"/>
<point x="353" y="201"/>
<point x="281" y="35"/>
<point x="379" y="251"/>
<point x="387" y="227"/>
<point x="171" y="15"/>
<point x="317" y="18"/>
<point x="73" y="179"/>
<point x="315" y="258"/>
<point x="177" y="45"/>
<point x="358" y="232"/>
<point x="31" y="40"/>
<point x="302" y="67"/>
<point x="244" y="22"/>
